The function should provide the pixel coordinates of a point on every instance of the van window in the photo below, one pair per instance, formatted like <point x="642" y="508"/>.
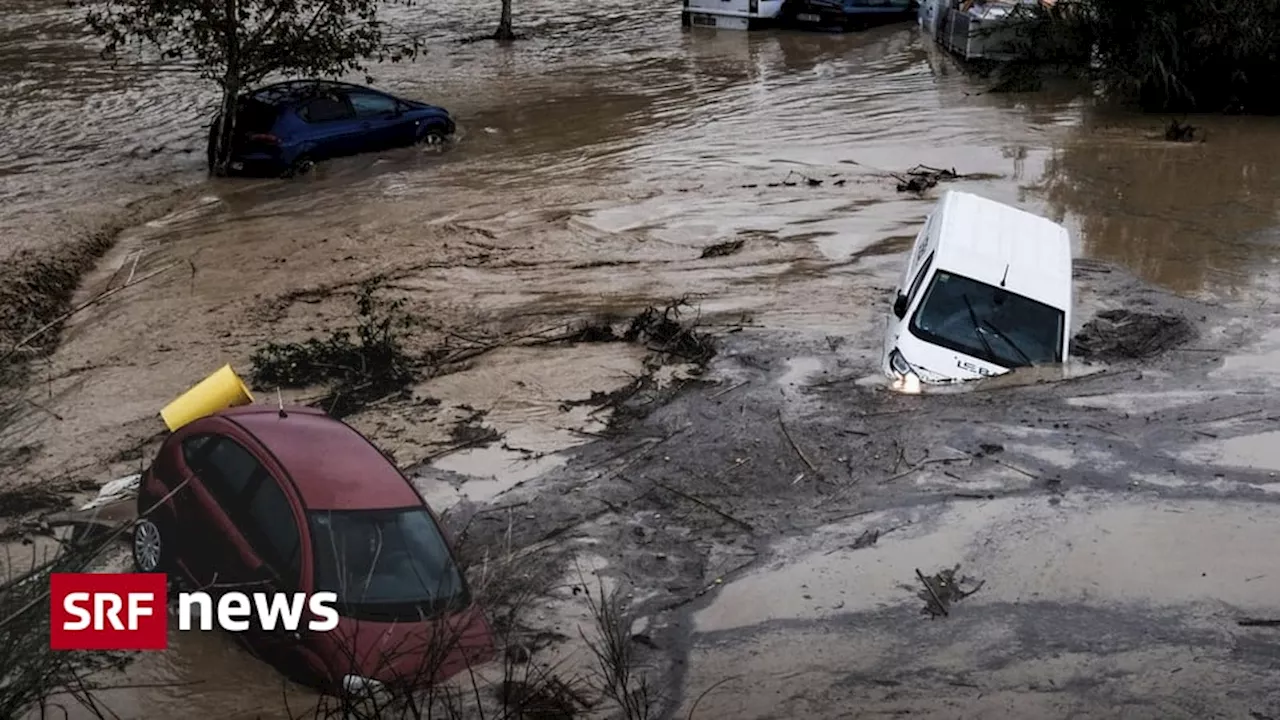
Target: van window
<point x="225" y="468"/>
<point x="922" y="240"/>
<point x="272" y="530"/>
<point x="915" y="284"/>
<point x="988" y="322"/>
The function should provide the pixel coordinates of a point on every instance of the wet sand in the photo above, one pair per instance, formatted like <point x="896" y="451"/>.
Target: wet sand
<point x="596" y="161"/>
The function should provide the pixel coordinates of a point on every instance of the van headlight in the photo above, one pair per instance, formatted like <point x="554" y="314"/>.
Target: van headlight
<point x="905" y="378"/>
<point x="899" y="364"/>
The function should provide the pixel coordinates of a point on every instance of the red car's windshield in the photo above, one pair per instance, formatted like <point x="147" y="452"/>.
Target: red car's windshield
<point x="392" y="565"/>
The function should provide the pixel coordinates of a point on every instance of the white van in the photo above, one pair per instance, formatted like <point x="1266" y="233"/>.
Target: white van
<point x="731" y="14"/>
<point x="987" y="288"/>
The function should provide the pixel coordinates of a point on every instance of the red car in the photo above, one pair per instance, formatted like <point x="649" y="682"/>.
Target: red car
<point x="292" y="500"/>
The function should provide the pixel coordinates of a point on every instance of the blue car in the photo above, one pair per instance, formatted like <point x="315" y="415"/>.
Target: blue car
<point x="283" y="129"/>
<point x="842" y="15"/>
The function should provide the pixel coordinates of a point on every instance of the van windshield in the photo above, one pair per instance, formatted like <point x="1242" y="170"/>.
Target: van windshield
<point x="988" y="322"/>
<point x="391" y="565"/>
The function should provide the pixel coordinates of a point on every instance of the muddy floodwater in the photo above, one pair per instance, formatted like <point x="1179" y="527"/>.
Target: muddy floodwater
<point x="1124" y="522"/>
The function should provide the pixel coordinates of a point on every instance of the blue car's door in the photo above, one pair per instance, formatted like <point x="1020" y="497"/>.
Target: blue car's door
<point x="382" y="119"/>
<point x="331" y="126"/>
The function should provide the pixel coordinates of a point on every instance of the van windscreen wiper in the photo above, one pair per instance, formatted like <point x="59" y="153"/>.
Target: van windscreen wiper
<point x="1008" y="341"/>
<point x="977" y="328"/>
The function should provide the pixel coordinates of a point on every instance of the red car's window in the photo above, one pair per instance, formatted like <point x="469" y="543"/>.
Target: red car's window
<point x="386" y="564"/>
<point x="272" y="530"/>
<point x="225" y="468"/>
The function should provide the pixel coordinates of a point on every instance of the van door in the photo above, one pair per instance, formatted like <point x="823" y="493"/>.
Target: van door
<point x="915" y="261"/>
<point x="897" y="326"/>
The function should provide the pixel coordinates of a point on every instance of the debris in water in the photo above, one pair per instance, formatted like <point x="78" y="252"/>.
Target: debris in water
<point x="1127" y="335"/>
<point x="922" y="177"/>
<point x="1258" y="622"/>
<point x="660" y="330"/>
<point x="357" y="372"/>
<point x="1177" y="132"/>
<point x="548" y="698"/>
<point x="663" y="331"/>
<point x="115" y="491"/>
<point x="788" y="181"/>
<point x="722" y="249"/>
<point x="942" y="589"/>
<point x="866" y="539"/>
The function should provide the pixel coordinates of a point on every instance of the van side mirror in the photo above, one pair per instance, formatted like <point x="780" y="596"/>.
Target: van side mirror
<point x="900" y="306"/>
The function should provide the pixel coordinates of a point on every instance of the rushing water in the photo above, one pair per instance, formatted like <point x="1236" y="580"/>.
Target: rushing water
<point x="612" y="133"/>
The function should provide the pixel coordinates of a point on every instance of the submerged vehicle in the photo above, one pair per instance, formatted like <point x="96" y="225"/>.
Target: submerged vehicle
<point x="291" y="500"/>
<point x="979" y="29"/>
<point x="283" y="129"/>
<point x="840" y="15"/>
<point x="803" y="14"/>
<point x="987" y="288"/>
<point x="731" y="14"/>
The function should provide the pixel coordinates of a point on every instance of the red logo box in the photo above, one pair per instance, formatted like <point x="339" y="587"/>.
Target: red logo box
<point x="108" y="611"/>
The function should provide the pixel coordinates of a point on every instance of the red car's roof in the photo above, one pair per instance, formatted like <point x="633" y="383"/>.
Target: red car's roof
<point x="333" y="466"/>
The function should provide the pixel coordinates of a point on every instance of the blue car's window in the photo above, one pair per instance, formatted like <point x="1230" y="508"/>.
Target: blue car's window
<point x="372" y="104"/>
<point x="325" y="109"/>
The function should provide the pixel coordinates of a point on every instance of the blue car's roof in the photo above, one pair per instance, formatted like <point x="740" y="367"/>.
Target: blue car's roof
<point x="292" y="91"/>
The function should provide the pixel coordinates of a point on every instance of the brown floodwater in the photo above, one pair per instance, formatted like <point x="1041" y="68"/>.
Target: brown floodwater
<point x="595" y="160"/>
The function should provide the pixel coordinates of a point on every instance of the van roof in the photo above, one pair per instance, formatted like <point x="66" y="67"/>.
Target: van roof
<point x="979" y="238"/>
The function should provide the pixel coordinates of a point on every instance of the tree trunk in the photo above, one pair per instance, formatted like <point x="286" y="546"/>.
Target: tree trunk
<point x="504" y="31"/>
<point x="223" y="131"/>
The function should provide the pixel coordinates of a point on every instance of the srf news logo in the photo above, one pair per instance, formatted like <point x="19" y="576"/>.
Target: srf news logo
<point x="129" y="611"/>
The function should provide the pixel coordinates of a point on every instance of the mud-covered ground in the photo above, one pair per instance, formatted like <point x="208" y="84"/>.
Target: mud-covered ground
<point x="765" y="517"/>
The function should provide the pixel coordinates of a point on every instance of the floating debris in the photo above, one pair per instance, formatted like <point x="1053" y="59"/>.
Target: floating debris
<point x="943" y="589"/>
<point x="1178" y="132"/>
<point x="729" y="247"/>
<point x="1127" y="335"/>
<point x="922" y="177"/>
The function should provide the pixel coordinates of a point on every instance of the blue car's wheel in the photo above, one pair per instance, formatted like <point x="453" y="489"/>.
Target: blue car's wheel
<point x="301" y="166"/>
<point x="433" y="136"/>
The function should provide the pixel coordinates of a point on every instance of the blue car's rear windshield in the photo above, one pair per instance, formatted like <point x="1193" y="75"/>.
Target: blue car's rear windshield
<point x="255" y="116"/>
<point x="391" y="565"/>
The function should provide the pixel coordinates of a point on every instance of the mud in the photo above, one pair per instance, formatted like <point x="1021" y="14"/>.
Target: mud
<point x="1127" y="335"/>
<point x="606" y="165"/>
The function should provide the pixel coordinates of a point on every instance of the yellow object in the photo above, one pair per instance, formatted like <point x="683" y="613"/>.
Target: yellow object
<point x="219" y="391"/>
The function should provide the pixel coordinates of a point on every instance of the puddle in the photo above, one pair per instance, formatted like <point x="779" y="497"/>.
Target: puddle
<point x="493" y="470"/>
<point x="799" y="370"/>
<point x="1262" y="364"/>
<point x="1132" y="402"/>
<point x="1079" y="551"/>
<point x="1256" y="452"/>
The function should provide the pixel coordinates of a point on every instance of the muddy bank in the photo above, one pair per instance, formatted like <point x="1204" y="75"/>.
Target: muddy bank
<point x="37" y="284"/>
<point x="791" y="504"/>
<point x="602" y="172"/>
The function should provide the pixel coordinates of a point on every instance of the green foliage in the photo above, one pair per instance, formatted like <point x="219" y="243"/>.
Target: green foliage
<point x="241" y="42"/>
<point x="1170" y="55"/>
<point x="370" y="366"/>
